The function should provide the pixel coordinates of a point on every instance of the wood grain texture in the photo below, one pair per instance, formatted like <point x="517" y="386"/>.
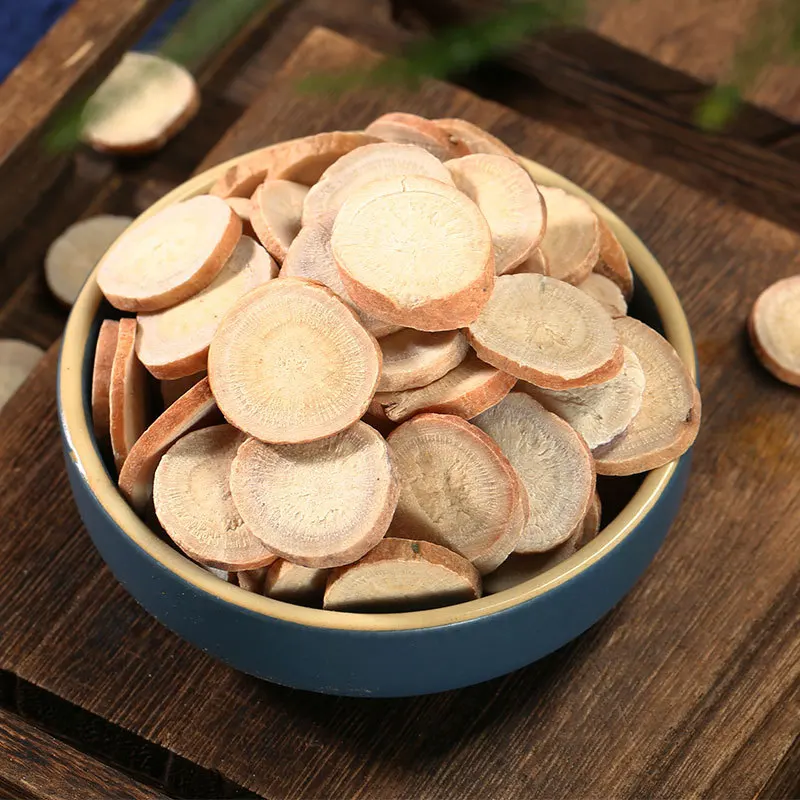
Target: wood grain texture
<point x="688" y="688"/>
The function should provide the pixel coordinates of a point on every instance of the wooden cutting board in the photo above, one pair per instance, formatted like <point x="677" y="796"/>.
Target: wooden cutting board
<point x="689" y="687"/>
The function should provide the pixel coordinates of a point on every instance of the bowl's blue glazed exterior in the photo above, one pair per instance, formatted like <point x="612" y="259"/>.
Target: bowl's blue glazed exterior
<point x="380" y="655"/>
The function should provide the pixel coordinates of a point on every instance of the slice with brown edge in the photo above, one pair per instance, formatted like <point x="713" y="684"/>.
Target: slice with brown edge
<point x="508" y="198"/>
<point x="465" y="392"/>
<point x="170" y="256"/>
<point x="403" y="575"/>
<point x="277" y="206"/>
<point x="414" y="358"/>
<point x="536" y="263"/>
<point x="320" y="504"/>
<point x="571" y="241"/>
<point x="378" y="239"/>
<point x="456" y="489"/>
<point x="553" y="463"/>
<point x="174" y="343"/>
<point x="606" y="292"/>
<point x="774" y="326"/>
<point x="104" y="353"/>
<point x="242" y="207"/>
<point x="602" y="412"/>
<point x="191" y="494"/>
<point x="172" y="390"/>
<point x="140" y="106"/>
<point x="402" y="128"/>
<point x="292" y="583"/>
<point x="194" y="409"/>
<point x="669" y="419"/>
<point x="361" y="167"/>
<point x="547" y="332"/>
<point x="473" y="138"/>
<point x="252" y="580"/>
<point x="310" y="256"/>
<point x="73" y="255"/>
<point x="291" y="363"/>
<point x="612" y="261"/>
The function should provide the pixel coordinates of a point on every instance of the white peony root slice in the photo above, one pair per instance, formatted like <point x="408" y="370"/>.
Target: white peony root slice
<point x="602" y="412"/>
<point x="465" y="392"/>
<point x="73" y="255"/>
<point x="416" y="252"/>
<point x="311" y="257"/>
<point x="292" y="583"/>
<point x="277" y="206"/>
<point x="104" y="353"/>
<point x="403" y="575"/>
<point x="612" y="262"/>
<point x="242" y="207"/>
<point x="127" y="398"/>
<point x="361" y="167"/>
<point x="668" y="421"/>
<point x="402" y="128"/>
<point x="473" y="138"/>
<point x="553" y="463"/>
<point x="195" y="408"/>
<point x="547" y="332"/>
<point x="291" y="363"/>
<point x="535" y="263"/>
<point x="174" y="343"/>
<point x="457" y="489"/>
<point x="192" y="498"/>
<point x="571" y="242"/>
<point x="251" y="580"/>
<point x="510" y="201"/>
<point x="140" y="106"/>
<point x="172" y="390"/>
<point x="415" y="358"/>
<point x="171" y="256"/>
<point x="606" y="292"/>
<point x="320" y="504"/>
<point x="774" y="327"/>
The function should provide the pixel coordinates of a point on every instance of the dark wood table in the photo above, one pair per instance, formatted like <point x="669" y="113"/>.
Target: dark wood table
<point x="690" y="687"/>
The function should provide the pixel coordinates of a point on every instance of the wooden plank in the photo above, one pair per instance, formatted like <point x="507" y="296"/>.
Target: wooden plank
<point x="687" y="686"/>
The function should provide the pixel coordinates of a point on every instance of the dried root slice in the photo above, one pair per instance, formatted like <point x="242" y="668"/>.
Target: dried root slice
<point x="361" y="167"/>
<point x="416" y="252"/>
<point x="277" y="206"/>
<point x="402" y="128"/>
<point x="311" y="257"/>
<point x="403" y="575"/>
<point x="127" y="398"/>
<point x="547" y="332"/>
<point x="304" y="586"/>
<point x="571" y="242"/>
<point x="104" y="353"/>
<point x="291" y="363"/>
<point x="612" y="262"/>
<point x="599" y="413"/>
<point x="774" y="326"/>
<point x="414" y="358"/>
<point x="474" y="139"/>
<point x="192" y="498"/>
<point x="172" y="390"/>
<point x="535" y="263"/>
<point x="140" y="106"/>
<point x="553" y="463"/>
<point x="606" y="292"/>
<point x="510" y="201"/>
<point x="252" y="580"/>
<point x="456" y="490"/>
<point x="174" y="343"/>
<point x="242" y="207"/>
<point x="17" y="360"/>
<point x="194" y="409"/>
<point x="465" y="392"/>
<point x="668" y="421"/>
<point x="73" y="255"/>
<point x="320" y="504"/>
<point x="171" y="256"/>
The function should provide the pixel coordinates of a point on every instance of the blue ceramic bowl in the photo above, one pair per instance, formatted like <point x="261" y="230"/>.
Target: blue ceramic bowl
<point x="380" y="655"/>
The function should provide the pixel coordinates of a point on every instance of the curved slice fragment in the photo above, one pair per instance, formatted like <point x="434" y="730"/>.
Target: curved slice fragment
<point x="276" y="208"/>
<point x="402" y="128"/>
<point x="474" y="139"/>
<point x="774" y="326"/>
<point x="415" y="358"/>
<point x="292" y="583"/>
<point x="612" y="262"/>
<point x="606" y="292"/>
<point x="242" y="207"/>
<point x="535" y="263"/>
<point x="104" y="353"/>
<point x="171" y="390"/>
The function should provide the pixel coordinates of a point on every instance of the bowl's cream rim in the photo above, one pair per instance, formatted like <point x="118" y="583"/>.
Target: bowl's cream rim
<point x="81" y="450"/>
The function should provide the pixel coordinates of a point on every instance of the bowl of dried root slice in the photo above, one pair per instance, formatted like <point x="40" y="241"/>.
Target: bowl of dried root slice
<point x="378" y="412"/>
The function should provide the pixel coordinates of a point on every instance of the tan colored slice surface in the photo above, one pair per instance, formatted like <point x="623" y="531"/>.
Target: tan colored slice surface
<point x="242" y="207"/>
<point x="775" y="329"/>
<point x="17" y="360"/>
<point x="535" y="263"/>
<point x="174" y="343"/>
<point x="292" y="583"/>
<point x="104" y="353"/>
<point x="473" y="138"/>
<point x="553" y="463"/>
<point x="320" y="504"/>
<point x="403" y="575"/>
<point x="252" y="580"/>
<point x="606" y="292"/>
<point x="402" y="128"/>
<point x="612" y="262"/>
<point x="276" y="209"/>
<point x="547" y="332"/>
<point x="172" y="390"/>
<point x="171" y="256"/>
<point x="416" y="252"/>
<point x="192" y="498"/>
<point x="415" y="358"/>
<point x="291" y="363"/>
<point x="669" y="418"/>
